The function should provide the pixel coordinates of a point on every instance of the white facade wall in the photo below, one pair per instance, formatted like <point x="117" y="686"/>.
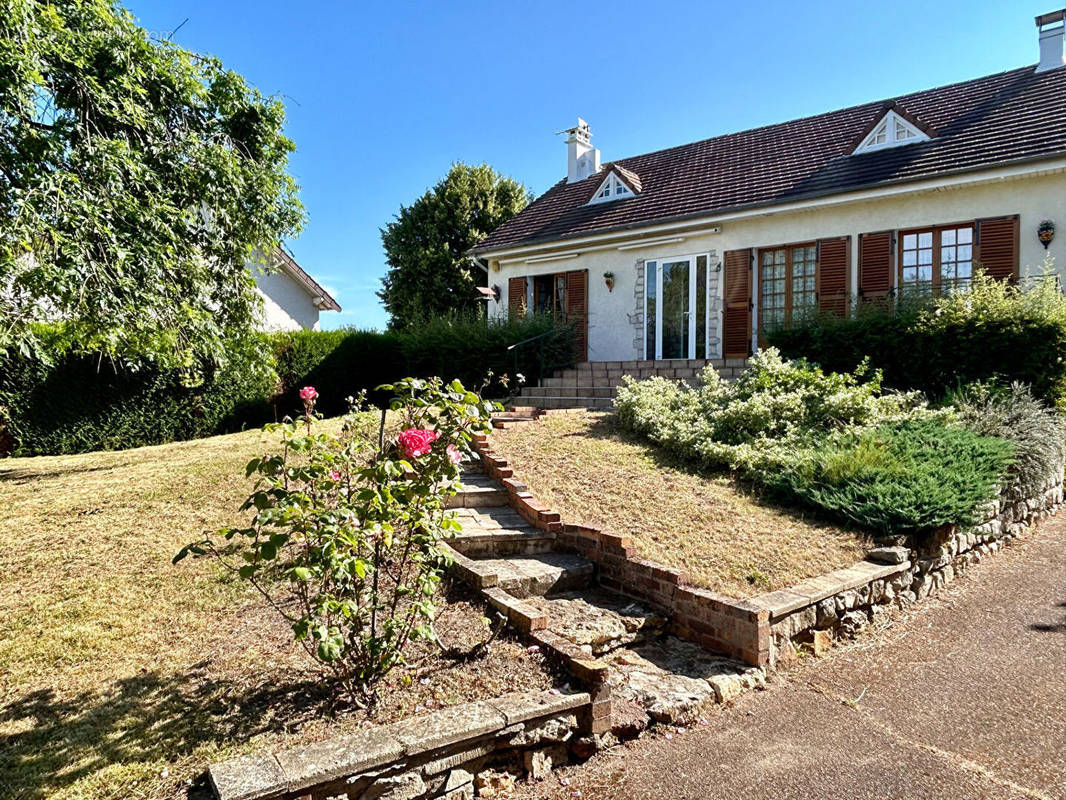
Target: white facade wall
<point x="286" y="304"/>
<point x="616" y="317"/>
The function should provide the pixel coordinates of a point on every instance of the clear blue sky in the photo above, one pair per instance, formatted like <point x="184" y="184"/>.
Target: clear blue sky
<point x="383" y="96"/>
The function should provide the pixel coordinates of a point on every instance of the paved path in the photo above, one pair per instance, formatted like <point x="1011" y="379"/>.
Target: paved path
<point x="961" y="697"/>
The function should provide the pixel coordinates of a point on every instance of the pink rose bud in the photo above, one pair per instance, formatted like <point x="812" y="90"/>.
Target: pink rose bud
<point x="308" y="393"/>
<point x="415" y="442"/>
<point x="454" y="455"/>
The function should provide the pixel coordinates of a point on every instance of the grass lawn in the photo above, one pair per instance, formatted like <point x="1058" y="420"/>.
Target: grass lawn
<point x="724" y="538"/>
<point x="122" y="675"/>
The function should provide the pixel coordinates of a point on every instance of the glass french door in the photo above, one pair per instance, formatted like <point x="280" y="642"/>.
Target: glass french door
<point x="676" y="311"/>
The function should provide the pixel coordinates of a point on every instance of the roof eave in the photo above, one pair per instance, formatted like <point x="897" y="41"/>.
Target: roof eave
<point x="725" y="210"/>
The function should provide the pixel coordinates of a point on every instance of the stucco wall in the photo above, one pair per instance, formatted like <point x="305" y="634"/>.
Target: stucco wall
<point x="615" y="317"/>
<point x="287" y="306"/>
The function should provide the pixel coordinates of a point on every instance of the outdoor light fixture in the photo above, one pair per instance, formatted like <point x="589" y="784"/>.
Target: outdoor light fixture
<point x="1045" y="232"/>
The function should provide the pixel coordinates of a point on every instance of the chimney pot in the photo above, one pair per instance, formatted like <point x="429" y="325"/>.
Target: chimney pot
<point x="1051" y="28"/>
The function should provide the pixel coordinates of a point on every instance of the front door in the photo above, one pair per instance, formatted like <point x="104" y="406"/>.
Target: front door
<point x="676" y="308"/>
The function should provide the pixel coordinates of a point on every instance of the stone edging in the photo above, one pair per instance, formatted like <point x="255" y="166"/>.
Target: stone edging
<point x="428" y="755"/>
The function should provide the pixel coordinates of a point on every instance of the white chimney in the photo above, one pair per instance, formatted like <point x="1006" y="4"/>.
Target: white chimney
<point x="582" y="159"/>
<point x="1051" y="27"/>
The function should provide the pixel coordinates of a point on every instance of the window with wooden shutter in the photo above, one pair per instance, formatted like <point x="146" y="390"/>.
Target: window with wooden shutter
<point x="577" y="310"/>
<point x="516" y="297"/>
<point x="875" y="267"/>
<point x="834" y="275"/>
<point x="996" y="248"/>
<point x="736" y="316"/>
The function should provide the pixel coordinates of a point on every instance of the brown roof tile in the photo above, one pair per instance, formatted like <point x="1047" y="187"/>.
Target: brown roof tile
<point x="1011" y="116"/>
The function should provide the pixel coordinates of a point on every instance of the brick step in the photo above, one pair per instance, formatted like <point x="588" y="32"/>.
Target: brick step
<point x="560" y="403"/>
<point x="540" y="574"/>
<point x="569" y="391"/>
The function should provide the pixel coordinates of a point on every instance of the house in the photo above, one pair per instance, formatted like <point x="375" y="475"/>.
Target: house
<point x="292" y="299"/>
<point x="695" y="252"/>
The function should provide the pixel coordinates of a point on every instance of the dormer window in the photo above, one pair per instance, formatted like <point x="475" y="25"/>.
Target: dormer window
<point x="892" y="131"/>
<point x="612" y="188"/>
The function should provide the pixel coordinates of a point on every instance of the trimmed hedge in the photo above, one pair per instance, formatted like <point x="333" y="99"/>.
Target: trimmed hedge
<point x="78" y="403"/>
<point x="995" y="332"/>
<point x="75" y="404"/>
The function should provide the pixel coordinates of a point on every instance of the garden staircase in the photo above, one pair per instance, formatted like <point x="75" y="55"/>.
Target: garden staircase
<point x="651" y="675"/>
<point x="593" y="384"/>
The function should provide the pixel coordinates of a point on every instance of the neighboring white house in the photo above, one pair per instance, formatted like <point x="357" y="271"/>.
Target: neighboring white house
<point x="292" y="299"/>
<point x="698" y="250"/>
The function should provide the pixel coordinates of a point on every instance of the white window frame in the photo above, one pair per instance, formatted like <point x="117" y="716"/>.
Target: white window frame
<point x="658" y="263"/>
<point x="889" y="122"/>
<point x="616" y="190"/>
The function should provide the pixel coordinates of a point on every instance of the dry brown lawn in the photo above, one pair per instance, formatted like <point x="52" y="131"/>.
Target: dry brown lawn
<point x="723" y="537"/>
<point x="122" y="675"/>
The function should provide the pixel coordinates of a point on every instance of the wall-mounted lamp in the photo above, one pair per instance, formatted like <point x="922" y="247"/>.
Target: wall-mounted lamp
<point x="1045" y="232"/>
<point x="608" y="278"/>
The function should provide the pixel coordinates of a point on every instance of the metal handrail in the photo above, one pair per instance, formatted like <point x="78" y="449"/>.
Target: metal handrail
<point x="532" y="338"/>
<point x="540" y="349"/>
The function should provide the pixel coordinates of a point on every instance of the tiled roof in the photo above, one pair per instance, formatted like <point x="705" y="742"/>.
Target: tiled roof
<point x="1012" y="116"/>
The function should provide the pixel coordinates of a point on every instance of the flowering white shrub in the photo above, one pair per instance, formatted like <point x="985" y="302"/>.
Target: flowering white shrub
<point x="768" y="418"/>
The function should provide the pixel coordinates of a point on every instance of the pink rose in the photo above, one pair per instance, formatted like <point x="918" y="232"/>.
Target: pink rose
<point x="335" y="475"/>
<point x="454" y="455"/>
<point x="415" y="442"/>
<point x="308" y="393"/>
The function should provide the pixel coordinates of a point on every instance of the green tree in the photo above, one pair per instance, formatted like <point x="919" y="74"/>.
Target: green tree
<point x="136" y="180"/>
<point x="429" y="273"/>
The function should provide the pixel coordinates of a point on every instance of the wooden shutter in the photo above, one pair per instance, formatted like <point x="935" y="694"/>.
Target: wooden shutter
<point x="996" y="247"/>
<point x="834" y="275"/>
<point x="736" y="317"/>
<point x="516" y="298"/>
<point x="875" y="267"/>
<point x="577" y="309"/>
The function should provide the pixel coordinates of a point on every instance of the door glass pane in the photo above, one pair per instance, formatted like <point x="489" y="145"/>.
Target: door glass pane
<point x="916" y="273"/>
<point x="804" y="300"/>
<point x="542" y="294"/>
<point x="650" y="272"/>
<point x="956" y="260"/>
<point x="675" y="309"/>
<point x="701" y="306"/>
<point x="560" y="296"/>
<point x="772" y="284"/>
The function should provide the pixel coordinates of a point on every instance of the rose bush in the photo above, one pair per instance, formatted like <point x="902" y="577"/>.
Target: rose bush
<point x="344" y="541"/>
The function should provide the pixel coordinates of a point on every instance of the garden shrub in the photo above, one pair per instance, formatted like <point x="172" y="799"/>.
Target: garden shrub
<point x="758" y="422"/>
<point x="344" y="541"/>
<point x="994" y="332"/>
<point x="1012" y="413"/>
<point x="910" y="475"/>
<point x="836" y="442"/>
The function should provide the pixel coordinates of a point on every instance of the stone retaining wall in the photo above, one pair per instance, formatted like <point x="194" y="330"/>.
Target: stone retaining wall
<point x="444" y="754"/>
<point x="906" y="570"/>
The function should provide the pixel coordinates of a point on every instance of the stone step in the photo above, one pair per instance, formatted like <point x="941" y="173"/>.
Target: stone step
<point x="490" y="518"/>
<point x="676" y="681"/>
<point x="478" y="491"/>
<point x="540" y="574"/>
<point x="599" y="621"/>
<point x="504" y="422"/>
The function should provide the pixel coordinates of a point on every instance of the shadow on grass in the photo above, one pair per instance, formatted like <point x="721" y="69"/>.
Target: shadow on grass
<point x="30" y="474"/>
<point x="606" y="426"/>
<point x="143" y="719"/>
